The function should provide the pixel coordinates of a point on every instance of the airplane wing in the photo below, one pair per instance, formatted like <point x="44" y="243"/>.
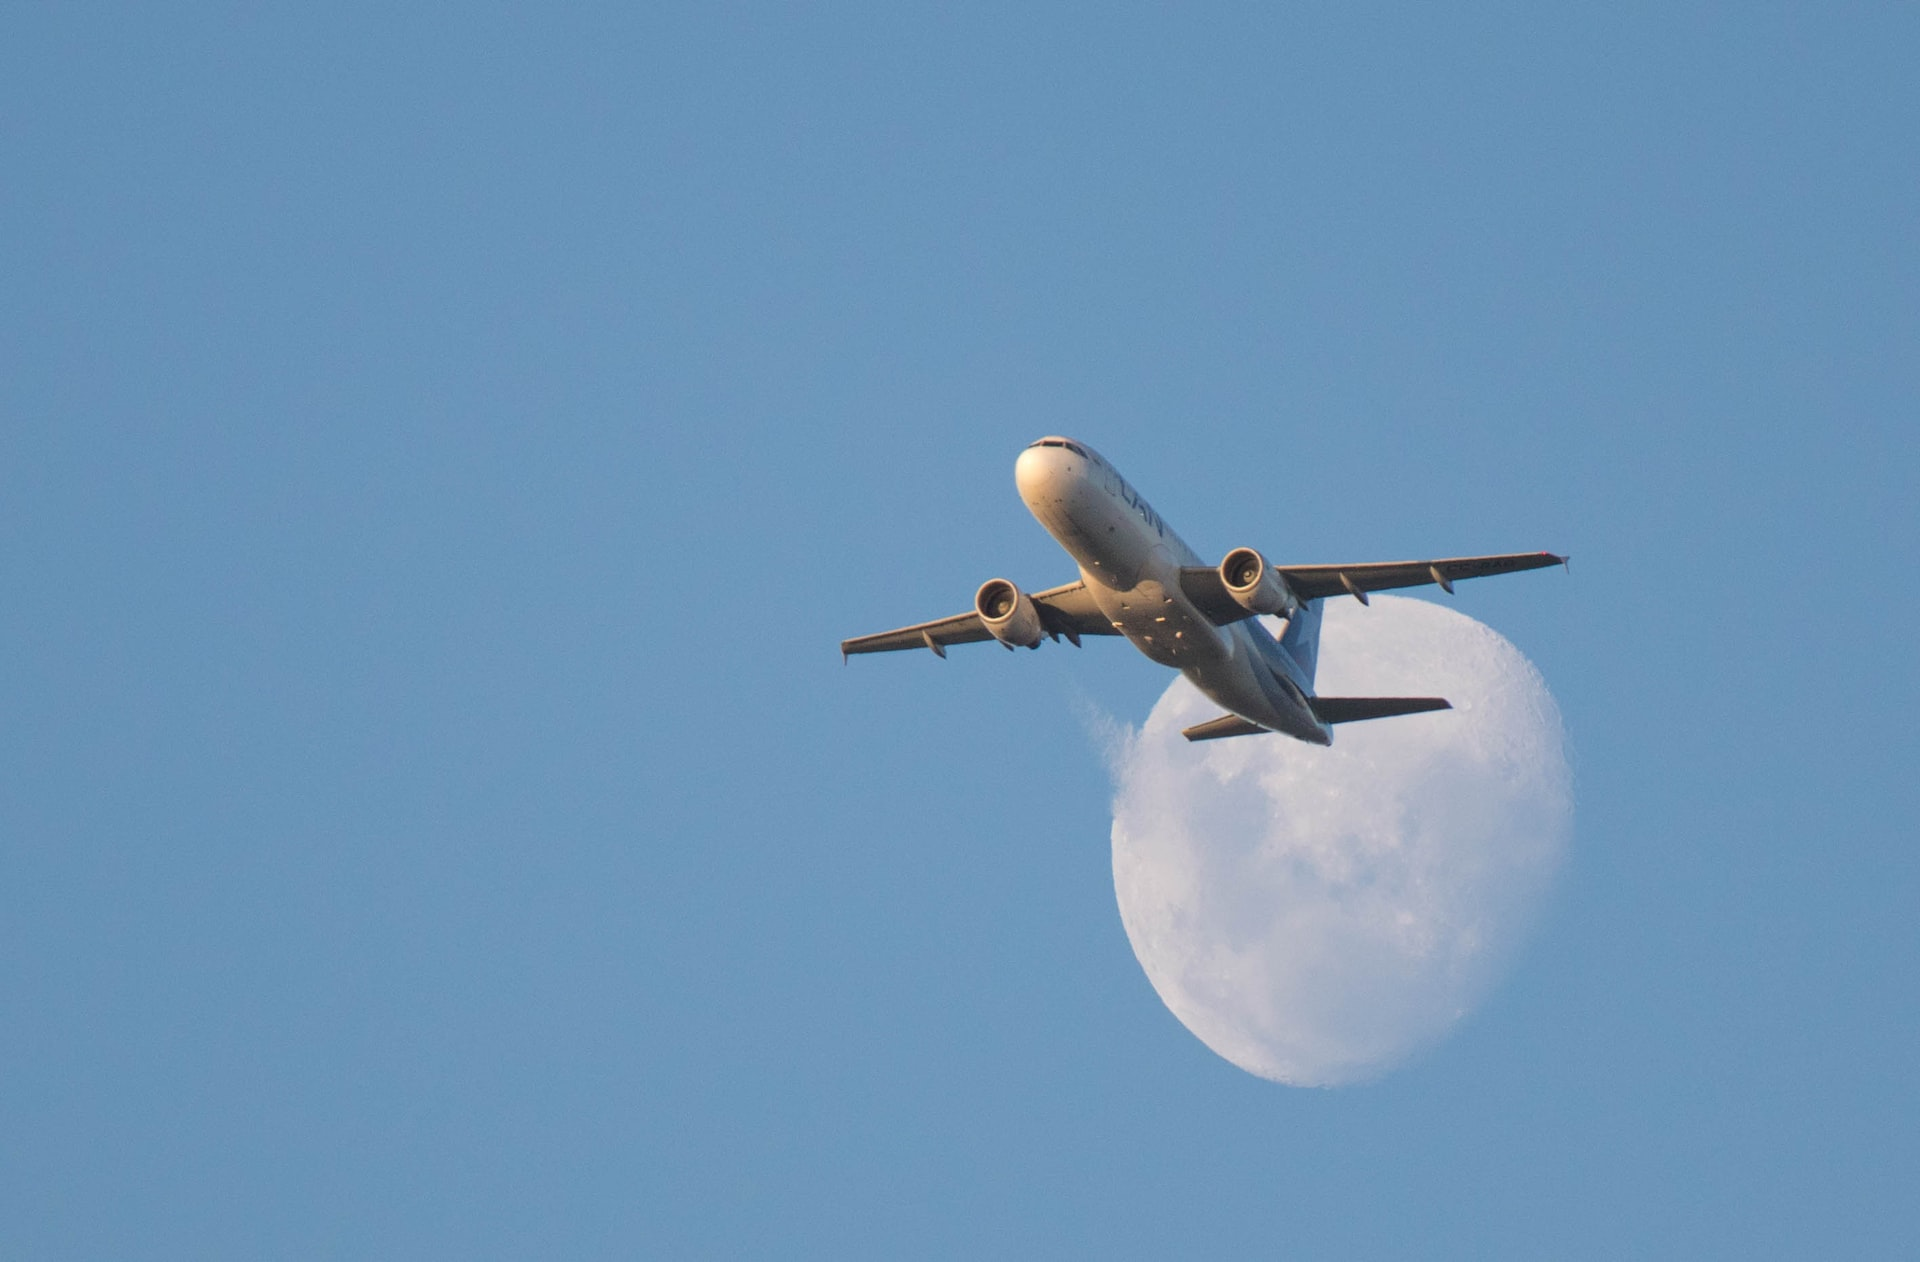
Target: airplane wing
<point x="1067" y="611"/>
<point x="1203" y="587"/>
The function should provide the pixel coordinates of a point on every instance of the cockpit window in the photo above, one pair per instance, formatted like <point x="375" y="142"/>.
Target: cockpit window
<point x="1075" y="449"/>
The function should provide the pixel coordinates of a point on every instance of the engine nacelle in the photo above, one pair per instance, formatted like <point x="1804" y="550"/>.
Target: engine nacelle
<point x="1008" y="613"/>
<point x="1257" y="586"/>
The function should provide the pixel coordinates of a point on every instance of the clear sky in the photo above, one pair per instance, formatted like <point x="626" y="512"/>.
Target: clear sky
<point x="441" y="449"/>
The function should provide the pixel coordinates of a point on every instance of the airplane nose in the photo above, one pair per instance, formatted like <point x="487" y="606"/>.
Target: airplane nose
<point x="1035" y="472"/>
<point x="1047" y="477"/>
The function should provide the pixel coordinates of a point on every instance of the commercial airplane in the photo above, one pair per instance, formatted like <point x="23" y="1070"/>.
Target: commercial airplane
<point x="1140" y="580"/>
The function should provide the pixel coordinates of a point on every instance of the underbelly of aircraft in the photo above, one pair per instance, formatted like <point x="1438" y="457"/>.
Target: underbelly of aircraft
<point x="1162" y="624"/>
<point x="1135" y="579"/>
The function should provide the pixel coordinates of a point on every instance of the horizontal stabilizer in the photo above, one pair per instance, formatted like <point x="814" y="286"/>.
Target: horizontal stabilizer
<point x="1354" y="709"/>
<point x="1224" y="726"/>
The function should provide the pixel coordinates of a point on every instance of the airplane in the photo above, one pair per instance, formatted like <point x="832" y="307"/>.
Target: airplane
<point x="1140" y="580"/>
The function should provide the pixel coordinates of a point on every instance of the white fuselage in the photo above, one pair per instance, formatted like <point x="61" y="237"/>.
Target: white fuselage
<point x="1131" y="560"/>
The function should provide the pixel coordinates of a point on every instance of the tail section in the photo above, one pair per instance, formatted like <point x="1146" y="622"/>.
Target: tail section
<point x="1301" y="640"/>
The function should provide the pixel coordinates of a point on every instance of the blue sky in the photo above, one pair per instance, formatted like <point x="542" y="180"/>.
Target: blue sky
<point x="440" y="452"/>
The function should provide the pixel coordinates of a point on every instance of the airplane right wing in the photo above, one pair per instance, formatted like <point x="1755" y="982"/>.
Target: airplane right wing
<point x="1068" y="610"/>
<point x="1203" y="586"/>
<point x="1310" y="581"/>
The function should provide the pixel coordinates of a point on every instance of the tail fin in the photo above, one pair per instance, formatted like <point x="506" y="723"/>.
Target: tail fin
<point x="1354" y="709"/>
<point x="1302" y="639"/>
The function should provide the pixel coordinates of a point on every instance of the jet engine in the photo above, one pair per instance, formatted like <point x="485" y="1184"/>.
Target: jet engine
<point x="1255" y="585"/>
<point x="1008" y="613"/>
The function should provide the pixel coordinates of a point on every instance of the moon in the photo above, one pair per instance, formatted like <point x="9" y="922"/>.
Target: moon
<point x="1317" y="915"/>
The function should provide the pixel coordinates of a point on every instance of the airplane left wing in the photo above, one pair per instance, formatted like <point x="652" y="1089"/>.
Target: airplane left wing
<point x="1067" y="610"/>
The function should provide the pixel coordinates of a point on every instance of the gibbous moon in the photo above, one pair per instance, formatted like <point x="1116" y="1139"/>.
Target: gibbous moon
<point x="1316" y="915"/>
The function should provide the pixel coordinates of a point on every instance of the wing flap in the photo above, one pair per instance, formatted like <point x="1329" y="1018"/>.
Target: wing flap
<point x="1203" y="586"/>
<point x="1069" y="610"/>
